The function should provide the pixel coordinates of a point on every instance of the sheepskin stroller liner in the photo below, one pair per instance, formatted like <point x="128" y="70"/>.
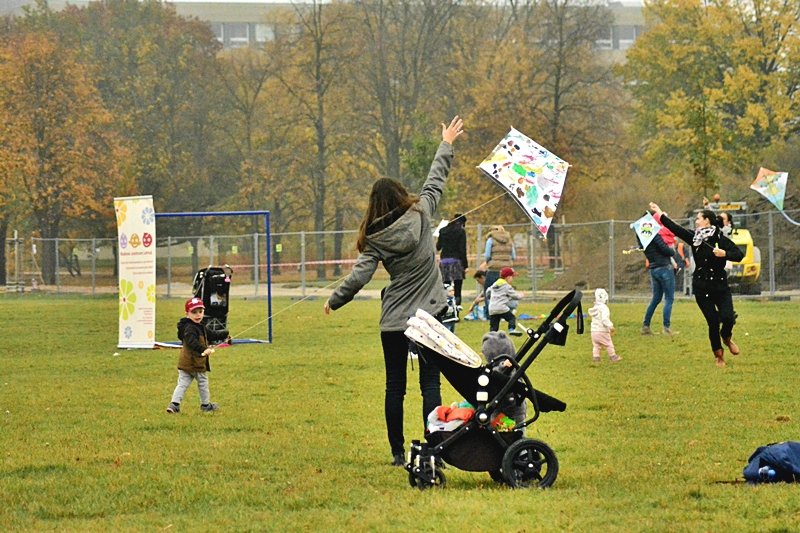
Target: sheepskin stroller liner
<point x="509" y="457"/>
<point x="213" y="285"/>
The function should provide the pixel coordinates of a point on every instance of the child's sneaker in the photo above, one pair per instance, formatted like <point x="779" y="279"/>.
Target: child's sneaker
<point x="515" y="333"/>
<point x="596" y="359"/>
<point x="209" y="407"/>
<point x="615" y="358"/>
<point x="174" y="408"/>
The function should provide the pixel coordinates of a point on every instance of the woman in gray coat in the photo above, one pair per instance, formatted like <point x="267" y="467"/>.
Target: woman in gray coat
<point x="396" y="231"/>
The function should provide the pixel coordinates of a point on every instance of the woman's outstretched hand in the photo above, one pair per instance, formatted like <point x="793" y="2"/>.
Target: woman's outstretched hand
<point x="451" y="132"/>
<point x="654" y="207"/>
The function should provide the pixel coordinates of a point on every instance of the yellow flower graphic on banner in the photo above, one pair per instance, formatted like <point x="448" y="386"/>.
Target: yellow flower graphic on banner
<point x="121" y="208"/>
<point x="127" y="299"/>
<point x="151" y="294"/>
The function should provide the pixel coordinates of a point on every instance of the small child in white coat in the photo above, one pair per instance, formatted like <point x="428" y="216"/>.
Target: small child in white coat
<point x="602" y="327"/>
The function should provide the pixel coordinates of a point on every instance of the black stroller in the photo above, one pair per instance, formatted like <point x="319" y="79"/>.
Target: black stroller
<point x="500" y="384"/>
<point x="212" y="285"/>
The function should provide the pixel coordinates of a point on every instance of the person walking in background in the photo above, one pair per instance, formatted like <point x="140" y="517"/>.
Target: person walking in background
<point x="498" y="254"/>
<point x="452" y="243"/>
<point x="711" y="249"/>
<point x="602" y="327"/>
<point x="726" y="224"/>
<point x="503" y="301"/>
<point x="727" y="227"/>
<point x="396" y="231"/>
<point x="662" y="282"/>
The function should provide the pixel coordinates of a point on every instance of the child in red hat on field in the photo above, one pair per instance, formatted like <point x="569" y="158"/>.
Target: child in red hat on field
<point x="503" y="301"/>
<point x="193" y="362"/>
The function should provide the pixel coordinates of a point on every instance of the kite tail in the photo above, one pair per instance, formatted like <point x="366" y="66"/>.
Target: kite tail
<point x="789" y="219"/>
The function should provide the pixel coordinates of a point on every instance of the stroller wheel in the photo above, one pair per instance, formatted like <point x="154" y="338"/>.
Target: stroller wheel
<point x="529" y="462"/>
<point x="423" y="477"/>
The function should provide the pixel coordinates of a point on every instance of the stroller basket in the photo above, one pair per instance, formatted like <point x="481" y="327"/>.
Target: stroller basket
<point x="500" y="384"/>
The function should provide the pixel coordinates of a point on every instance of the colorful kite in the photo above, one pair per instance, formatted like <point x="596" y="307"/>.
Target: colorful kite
<point x="772" y="186"/>
<point x="646" y="229"/>
<point x="530" y="173"/>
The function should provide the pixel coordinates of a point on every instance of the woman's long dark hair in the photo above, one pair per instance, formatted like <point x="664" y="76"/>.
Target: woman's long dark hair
<point x="387" y="195"/>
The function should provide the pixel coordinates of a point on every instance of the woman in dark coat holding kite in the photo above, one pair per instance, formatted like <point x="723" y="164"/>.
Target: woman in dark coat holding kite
<point x="711" y="250"/>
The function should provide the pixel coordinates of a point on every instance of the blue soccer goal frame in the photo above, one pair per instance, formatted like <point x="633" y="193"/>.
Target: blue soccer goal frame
<point x="267" y="252"/>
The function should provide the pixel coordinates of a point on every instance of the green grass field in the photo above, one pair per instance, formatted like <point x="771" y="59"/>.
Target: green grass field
<point x="652" y="443"/>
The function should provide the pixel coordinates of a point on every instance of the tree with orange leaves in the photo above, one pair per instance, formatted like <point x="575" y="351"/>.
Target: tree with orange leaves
<point x="56" y="145"/>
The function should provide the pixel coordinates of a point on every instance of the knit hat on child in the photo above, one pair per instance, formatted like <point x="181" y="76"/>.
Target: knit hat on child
<point x="600" y="296"/>
<point x="497" y="343"/>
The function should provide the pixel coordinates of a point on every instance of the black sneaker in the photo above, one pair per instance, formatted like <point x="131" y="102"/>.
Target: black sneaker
<point x="209" y="407"/>
<point x="174" y="408"/>
<point x="398" y="460"/>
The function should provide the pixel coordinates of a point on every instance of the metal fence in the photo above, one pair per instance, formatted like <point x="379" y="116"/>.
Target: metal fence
<point x="588" y="255"/>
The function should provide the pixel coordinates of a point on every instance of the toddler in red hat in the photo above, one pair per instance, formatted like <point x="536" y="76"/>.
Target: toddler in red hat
<point x="193" y="361"/>
<point x="503" y="301"/>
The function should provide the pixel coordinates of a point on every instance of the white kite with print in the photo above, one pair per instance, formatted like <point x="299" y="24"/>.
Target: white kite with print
<point x="532" y="174"/>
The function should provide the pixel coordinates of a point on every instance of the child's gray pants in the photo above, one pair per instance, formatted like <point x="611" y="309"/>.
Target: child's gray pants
<point x="185" y="379"/>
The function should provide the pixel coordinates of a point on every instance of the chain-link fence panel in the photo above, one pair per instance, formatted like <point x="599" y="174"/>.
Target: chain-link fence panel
<point x="313" y="257"/>
<point x="69" y="265"/>
<point x="587" y="255"/>
<point x="180" y="258"/>
<point x="777" y="244"/>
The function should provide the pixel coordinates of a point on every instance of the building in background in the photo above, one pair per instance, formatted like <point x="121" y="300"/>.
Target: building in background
<point x="239" y="23"/>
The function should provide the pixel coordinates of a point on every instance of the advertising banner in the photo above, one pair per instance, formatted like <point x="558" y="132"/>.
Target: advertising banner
<point x="136" y="240"/>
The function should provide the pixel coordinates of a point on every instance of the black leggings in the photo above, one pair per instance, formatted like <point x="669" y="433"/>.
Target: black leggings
<point x="717" y="308"/>
<point x="457" y="284"/>
<point x="395" y="357"/>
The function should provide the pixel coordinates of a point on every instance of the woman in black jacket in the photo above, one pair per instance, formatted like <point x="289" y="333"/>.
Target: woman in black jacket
<point x="711" y="250"/>
<point x="452" y="244"/>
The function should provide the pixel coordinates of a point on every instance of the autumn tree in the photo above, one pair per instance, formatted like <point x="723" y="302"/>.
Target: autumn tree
<point x="535" y="66"/>
<point x="715" y="84"/>
<point x="403" y="56"/>
<point x="57" y="140"/>
<point x="261" y="129"/>
<point x="312" y="73"/>
<point x="156" y="72"/>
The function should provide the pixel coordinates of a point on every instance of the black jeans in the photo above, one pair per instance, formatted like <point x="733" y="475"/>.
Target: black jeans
<point x="395" y="357"/>
<point x="717" y="308"/>
<point x="508" y="316"/>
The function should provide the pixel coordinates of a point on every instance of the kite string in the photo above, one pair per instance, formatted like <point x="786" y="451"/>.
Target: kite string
<point x="276" y="313"/>
<point x="486" y="203"/>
